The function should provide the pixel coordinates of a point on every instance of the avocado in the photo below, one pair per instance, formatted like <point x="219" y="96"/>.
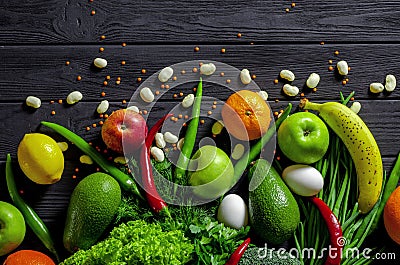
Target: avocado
<point x="92" y="207"/>
<point x="274" y="213"/>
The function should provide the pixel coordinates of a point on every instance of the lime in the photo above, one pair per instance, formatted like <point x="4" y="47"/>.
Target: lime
<point x="40" y="158"/>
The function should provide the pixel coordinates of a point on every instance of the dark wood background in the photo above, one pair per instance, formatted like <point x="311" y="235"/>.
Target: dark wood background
<point x="37" y="37"/>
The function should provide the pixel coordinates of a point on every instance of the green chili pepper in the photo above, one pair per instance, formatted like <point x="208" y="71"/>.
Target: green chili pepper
<point x="255" y="150"/>
<point x="30" y="216"/>
<point x="124" y="180"/>
<point x="190" y="137"/>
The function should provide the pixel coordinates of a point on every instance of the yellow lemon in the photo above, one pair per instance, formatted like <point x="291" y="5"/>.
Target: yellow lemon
<point x="40" y="158"/>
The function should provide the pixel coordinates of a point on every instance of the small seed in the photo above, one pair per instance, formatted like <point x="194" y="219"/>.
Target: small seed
<point x="100" y="63"/>
<point x="207" y="68"/>
<point x="390" y="83"/>
<point x="290" y="90"/>
<point x="313" y="80"/>
<point x="157" y="153"/>
<point x="33" y="102"/>
<point x="74" y="97"/>
<point x="342" y="67"/>
<point x="356" y="107"/>
<point x="170" y="138"/>
<point x="165" y="74"/>
<point x="103" y="106"/>
<point x="376" y="88"/>
<point x="245" y="76"/>
<point x="288" y="75"/>
<point x="188" y="101"/>
<point x="147" y="95"/>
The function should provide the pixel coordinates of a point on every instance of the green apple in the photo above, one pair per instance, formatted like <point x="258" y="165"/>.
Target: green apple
<point x="211" y="172"/>
<point x="303" y="138"/>
<point x="12" y="228"/>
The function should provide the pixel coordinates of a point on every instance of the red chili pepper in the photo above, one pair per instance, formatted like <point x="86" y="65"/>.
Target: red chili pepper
<point x="155" y="201"/>
<point x="335" y="231"/>
<point x="238" y="253"/>
<point x="153" y="131"/>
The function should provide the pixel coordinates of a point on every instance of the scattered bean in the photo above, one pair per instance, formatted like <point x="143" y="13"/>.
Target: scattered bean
<point x="85" y="159"/>
<point x="287" y="74"/>
<point x="103" y="106"/>
<point x="188" y="101"/>
<point x="160" y="142"/>
<point x="133" y="108"/>
<point x="376" y="88"/>
<point x="33" y="102"/>
<point x="245" y="76"/>
<point x="120" y="160"/>
<point x="63" y="146"/>
<point x="343" y="67"/>
<point x="100" y="63"/>
<point x="180" y="143"/>
<point x="217" y="127"/>
<point x="147" y="95"/>
<point x="165" y="74"/>
<point x="207" y="68"/>
<point x="263" y="94"/>
<point x="290" y="90"/>
<point x="356" y="107"/>
<point x="74" y="97"/>
<point x="238" y="151"/>
<point x="390" y="83"/>
<point x="170" y="138"/>
<point x="313" y="80"/>
<point x="157" y="153"/>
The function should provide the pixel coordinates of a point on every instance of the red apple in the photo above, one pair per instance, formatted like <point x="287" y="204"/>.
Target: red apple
<point x="124" y="131"/>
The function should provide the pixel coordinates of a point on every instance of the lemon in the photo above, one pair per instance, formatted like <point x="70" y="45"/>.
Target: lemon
<point x="40" y="158"/>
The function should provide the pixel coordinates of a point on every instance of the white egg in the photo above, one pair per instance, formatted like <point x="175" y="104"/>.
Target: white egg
<point x="303" y="180"/>
<point x="233" y="211"/>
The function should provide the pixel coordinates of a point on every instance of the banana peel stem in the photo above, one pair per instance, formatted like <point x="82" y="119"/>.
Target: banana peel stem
<point x="306" y="104"/>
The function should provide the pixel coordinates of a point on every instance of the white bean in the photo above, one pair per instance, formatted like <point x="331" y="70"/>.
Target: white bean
<point x="290" y="90"/>
<point x="343" y="67"/>
<point x="245" y="76"/>
<point x="356" y="107"/>
<point x="188" y="101"/>
<point x="217" y="127"/>
<point x="103" y="106"/>
<point x="100" y="63"/>
<point x="33" y="102"/>
<point x="165" y="74"/>
<point x="207" y="68"/>
<point x="157" y="153"/>
<point x="133" y="108"/>
<point x="376" y="88"/>
<point x="313" y="80"/>
<point x="74" y="97"/>
<point x="85" y="159"/>
<point x="160" y="142"/>
<point x="170" y="138"/>
<point x="180" y="144"/>
<point x="287" y="74"/>
<point x="238" y="151"/>
<point x="63" y="146"/>
<point x="121" y="160"/>
<point x="390" y="83"/>
<point x="263" y="94"/>
<point x="147" y="95"/>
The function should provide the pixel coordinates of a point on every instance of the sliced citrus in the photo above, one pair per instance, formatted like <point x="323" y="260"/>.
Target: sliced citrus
<point x="40" y="158"/>
<point x="28" y="257"/>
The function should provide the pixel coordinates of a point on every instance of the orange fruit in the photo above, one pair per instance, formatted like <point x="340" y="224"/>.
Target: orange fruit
<point x="391" y="215"/>
<point x="28" y="257"/>
<point x="246" y="115"/>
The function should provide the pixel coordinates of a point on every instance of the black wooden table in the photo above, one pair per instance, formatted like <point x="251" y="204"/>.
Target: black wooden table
<point x="46" y="45"/>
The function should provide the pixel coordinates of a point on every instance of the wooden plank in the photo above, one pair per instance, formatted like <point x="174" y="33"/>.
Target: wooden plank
<point x="197" y="21"/>
<point x="40" y="69"/>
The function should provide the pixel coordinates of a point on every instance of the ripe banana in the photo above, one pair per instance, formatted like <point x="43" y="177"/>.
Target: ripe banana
<point x="361" y="145"/>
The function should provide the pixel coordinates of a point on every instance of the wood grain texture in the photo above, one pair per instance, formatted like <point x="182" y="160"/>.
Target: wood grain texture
<point x="70" y="21"/>
<point x="37" y="70"/>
